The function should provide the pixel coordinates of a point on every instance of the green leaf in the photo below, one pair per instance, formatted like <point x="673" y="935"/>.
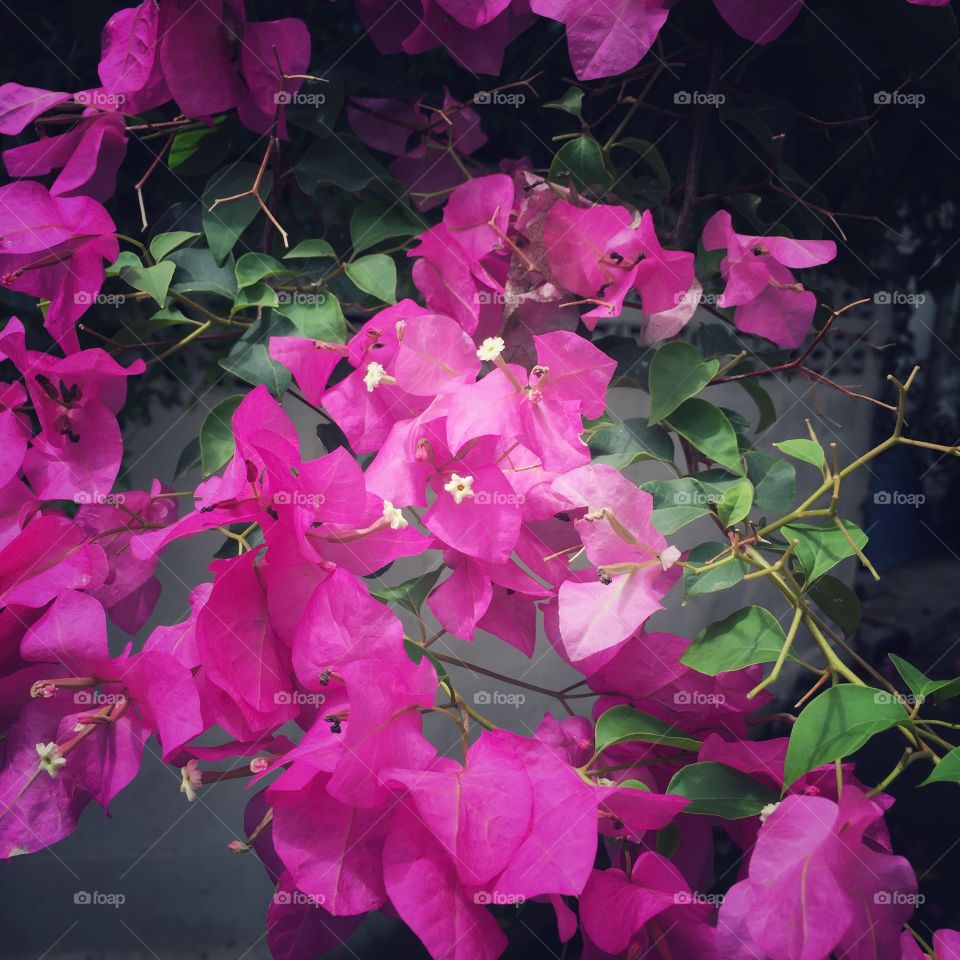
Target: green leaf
<point x="194" y="152"/>
<point x="375" y="274"/>
<point x="703" y="425"/>
<point x="716" y="790"/>
<point x="623" y="724"/>
<point x="153" y="281"/>
<point x="416" y="653"/>
<point x="838" y="602"/>
<point x="217" y="443"/>
<point x="822" y="547"/>
<point x="774" y="483"/>
<point x="676" y="503"/>
<point x="571" y="102"/>
<point x="736" y="503"/>
<point x="257" y="295"/>
<point x="649" y="153"/>
<point x="677" y="373"/>
<point x="729" y="574"/>
<point x="751" y="635"/>
<point x="343" y="161"/>
<point x="921" y="686"/>
<point x="668" y="839"/>
<point x="581" y="161"/>
<point x="223" y="225"/>
<point x="127" y="258"/>
<point x="631" y="441"/>
<point x="253" y="267"/>
<point x="764" y="402"/>
<point x="164" y="243"/>
<point x="947" y="770"/>
<point x="838" y="723"/>
<point x="189" y="459"/>
<point x="249" y="359"/>
<point x="806" y="450"/>
<point x="380" y="220"/>
<point x="410" y="594"/>
<point x="197" y="272"/>
<point x="317" y="316"/>
<point x="321" y="249"/>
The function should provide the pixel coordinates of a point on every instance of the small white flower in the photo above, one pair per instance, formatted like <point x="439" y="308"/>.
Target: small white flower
<point x="50" y="759"/>
<point x="394" y="516"/>
<point x="192" y="779"/>
<point x="374" y="376"/>
<point x="767" y="811"/>
<point x="459" y="487"/>
<point x="669" y="557"/>
<point x="491" y="348"/>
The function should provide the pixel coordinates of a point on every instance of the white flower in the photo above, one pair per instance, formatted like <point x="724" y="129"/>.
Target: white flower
<point x="491" y="348"/>
<point x="50" y="759"/>
<point x="459" y="487"/>
<point x="394" y="516"/>
<point x="374" y="376"/>
<point x="669" y="557"/>
<point x="192" y="779"/>
<point x="767" y="811"/>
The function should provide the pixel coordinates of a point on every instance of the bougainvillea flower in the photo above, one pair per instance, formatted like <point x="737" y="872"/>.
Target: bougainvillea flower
<point x="759" y="21"/>
<point x="601" y="252"/>
<point x="76" y="455"/>
<point x="37" y="810"/>
<point x="542" y="409"/>
<point x="88" y="157"/>
<point x="424" y="888"/>
<point x="131" y="590"/>
<point x="814" y="857"/>
<point x="654" y="889"/>
<point x="214" y="60"/>
<point x="73" y="633"/>
<point x="55" y="248"/>
<point x="19" y="105"/>
<point x="299" y="928"/>
<point x="50" y="555"/>
<point x="621" y="541"/>
<point x="757" y="271"/>
<point x="606" y="39"/>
